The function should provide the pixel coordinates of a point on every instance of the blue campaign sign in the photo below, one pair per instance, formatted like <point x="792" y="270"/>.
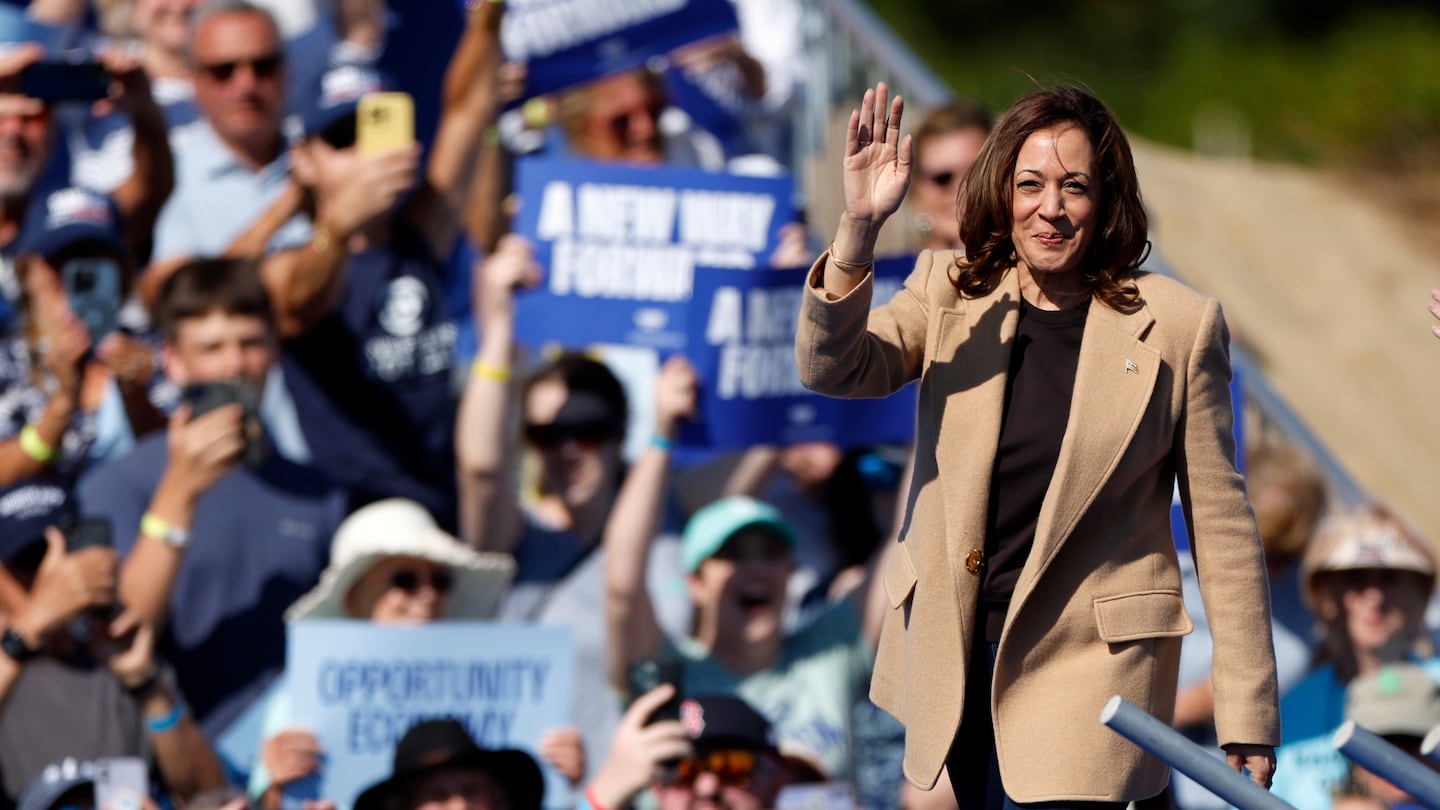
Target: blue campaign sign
<point x="359" y="686"/>
<point x="568" y="42"/>
<point x="620" y="244"/>
<point x="742" y="342"/>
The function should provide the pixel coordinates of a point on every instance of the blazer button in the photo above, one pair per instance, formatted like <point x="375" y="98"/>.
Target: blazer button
<point x="974" y="561"/>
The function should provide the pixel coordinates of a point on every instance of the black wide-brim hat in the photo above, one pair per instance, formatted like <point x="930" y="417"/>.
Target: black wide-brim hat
<point x="434" y="744"/>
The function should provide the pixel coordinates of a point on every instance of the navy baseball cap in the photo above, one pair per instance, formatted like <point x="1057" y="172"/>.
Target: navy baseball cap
<point x="68" y="216"/>
<point x="337" y="96"/>
<point x="716" y="721"/>
<point x="26" y="509"/>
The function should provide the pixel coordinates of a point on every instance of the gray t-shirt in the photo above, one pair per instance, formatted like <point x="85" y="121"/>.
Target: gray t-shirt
<point x="59" y="709"/>
<point x="560" y="579"/>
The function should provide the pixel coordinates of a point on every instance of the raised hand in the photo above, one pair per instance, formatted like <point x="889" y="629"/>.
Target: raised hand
<point x="370" y="190"/>
<point x="638" y="749"/>
<point x="676" y="395"/>
<point x="66" y="585"/>
<point x="63" y="348"/>
<point x="877" y="159"/>
<point x="510" y="268"/>
<point x="204" y="449"/>
<point x="128" y="648"/>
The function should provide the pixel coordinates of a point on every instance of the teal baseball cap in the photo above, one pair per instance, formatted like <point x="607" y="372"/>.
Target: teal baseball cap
<point x="710" y="527"/>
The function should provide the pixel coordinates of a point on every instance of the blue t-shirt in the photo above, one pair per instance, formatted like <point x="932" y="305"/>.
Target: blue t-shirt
<point x="259" y="541"/>
<point x="372" y="381"/>
<point x="808" y="694"/>
<point x="1308" y="769"/>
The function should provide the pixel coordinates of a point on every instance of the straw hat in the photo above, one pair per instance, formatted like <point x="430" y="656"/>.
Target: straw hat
<point x="402" y="528"/>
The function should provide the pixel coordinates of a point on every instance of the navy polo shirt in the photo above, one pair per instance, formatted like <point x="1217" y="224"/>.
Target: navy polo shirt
<point x="259" y="541"/>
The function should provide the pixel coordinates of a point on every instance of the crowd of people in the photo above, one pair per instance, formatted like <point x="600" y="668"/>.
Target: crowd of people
<point x="252" y="377"/>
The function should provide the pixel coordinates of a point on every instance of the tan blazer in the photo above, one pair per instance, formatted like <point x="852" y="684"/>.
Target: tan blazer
<point x="1097" y="610"/>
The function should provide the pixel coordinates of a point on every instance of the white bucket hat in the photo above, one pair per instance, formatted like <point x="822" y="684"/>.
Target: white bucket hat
<point x="402" y="528"/>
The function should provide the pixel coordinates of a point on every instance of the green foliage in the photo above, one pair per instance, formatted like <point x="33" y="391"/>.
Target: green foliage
<point x="1317" y="81"/>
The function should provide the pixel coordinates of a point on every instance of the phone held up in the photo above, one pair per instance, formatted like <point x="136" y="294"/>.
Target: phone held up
<point x="121" y="783"/>
<point x="93" y="287"/>
<point x="65" y="81"/>
<point x="383" y="122"/>
<point x="206" y="397"/>
<point x="649" y="673"/>
<point x="88" y="533"/>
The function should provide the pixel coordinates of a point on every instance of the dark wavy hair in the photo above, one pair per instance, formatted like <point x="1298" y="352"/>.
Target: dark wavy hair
<point x="1121" y="242"/>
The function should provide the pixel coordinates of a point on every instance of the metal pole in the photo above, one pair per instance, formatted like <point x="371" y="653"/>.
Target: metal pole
<point x="1389" y="763"/>
<point x="1171" y="747"/>
<point x="1431" y="743"/>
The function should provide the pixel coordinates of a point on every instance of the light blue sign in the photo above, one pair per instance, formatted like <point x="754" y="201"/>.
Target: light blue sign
<point x="568" y="42"/>
<point x="359" y="687"/>
<point x="741" y="339"/>
<point x="620" y="244"/>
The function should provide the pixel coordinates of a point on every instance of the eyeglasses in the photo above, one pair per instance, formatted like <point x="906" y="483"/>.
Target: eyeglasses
<point x="942" y="178"/>
<point x="588" y="434"/>
<point x="734" y="767"/>
<point x="264" y="67"/>
<point x="410" y="580"/>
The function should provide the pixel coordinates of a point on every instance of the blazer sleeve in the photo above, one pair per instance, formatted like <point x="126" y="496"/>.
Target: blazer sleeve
<point x="843" y="349"/>
<point x="1226" y="543"/>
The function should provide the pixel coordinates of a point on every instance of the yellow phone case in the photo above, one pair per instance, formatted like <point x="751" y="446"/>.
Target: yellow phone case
<point x="384" y="121"/>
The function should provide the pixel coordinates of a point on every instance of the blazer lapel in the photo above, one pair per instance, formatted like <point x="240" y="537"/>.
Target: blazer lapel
<point x="1113" y="383"/>
<point x="967" y="390"/>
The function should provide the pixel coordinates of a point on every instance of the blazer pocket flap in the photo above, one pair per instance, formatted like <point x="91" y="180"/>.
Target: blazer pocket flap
<point x="1144" y="614"/>
<point x="900" y="575"/>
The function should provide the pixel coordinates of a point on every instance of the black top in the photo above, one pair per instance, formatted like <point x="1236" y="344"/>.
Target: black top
<point x="1037" y="406"/>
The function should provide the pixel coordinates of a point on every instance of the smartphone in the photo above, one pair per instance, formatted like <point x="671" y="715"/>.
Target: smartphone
<point x="121" y="783"/>
<point x="65" y="81"/>
<point x="206" y="397"/>
<point x="88" y="533"/>
<point x="93" y="286"/>
<point x="384" y="121"/>
<point x="649" y="673"/>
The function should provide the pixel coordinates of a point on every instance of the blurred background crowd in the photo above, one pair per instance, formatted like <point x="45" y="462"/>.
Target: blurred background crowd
<point x="252" y="374"/>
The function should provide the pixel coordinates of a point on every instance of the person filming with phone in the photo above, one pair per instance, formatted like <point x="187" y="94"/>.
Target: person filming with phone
<point x="79" y="675"/>
<point x="368" y="339"/>
<point x="218" y="534"/>
<point x="715" y="751"/>
<point x="30" y="87"/>
<point x="78" y="387"/>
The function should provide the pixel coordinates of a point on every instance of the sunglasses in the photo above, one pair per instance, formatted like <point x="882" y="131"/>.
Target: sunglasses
<point x="410" y="580"/>
<point x="587" y="434"/>
<point x="620" y="123"/>
<point x="734" y="767"/>
<point x="941" y="179"/>
<point x="264" y="67"/>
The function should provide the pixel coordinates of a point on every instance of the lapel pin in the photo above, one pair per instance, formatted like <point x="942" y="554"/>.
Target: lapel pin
<point x="1130" y="367"/>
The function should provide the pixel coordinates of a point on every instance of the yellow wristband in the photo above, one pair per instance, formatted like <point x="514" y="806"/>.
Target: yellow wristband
<point x="33" y="445"/>
<point x="152" y="525"/>
<point x="485" y="371"/>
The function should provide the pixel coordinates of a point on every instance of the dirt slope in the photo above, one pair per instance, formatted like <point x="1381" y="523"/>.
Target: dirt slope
<point x="1329" y="292"/>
